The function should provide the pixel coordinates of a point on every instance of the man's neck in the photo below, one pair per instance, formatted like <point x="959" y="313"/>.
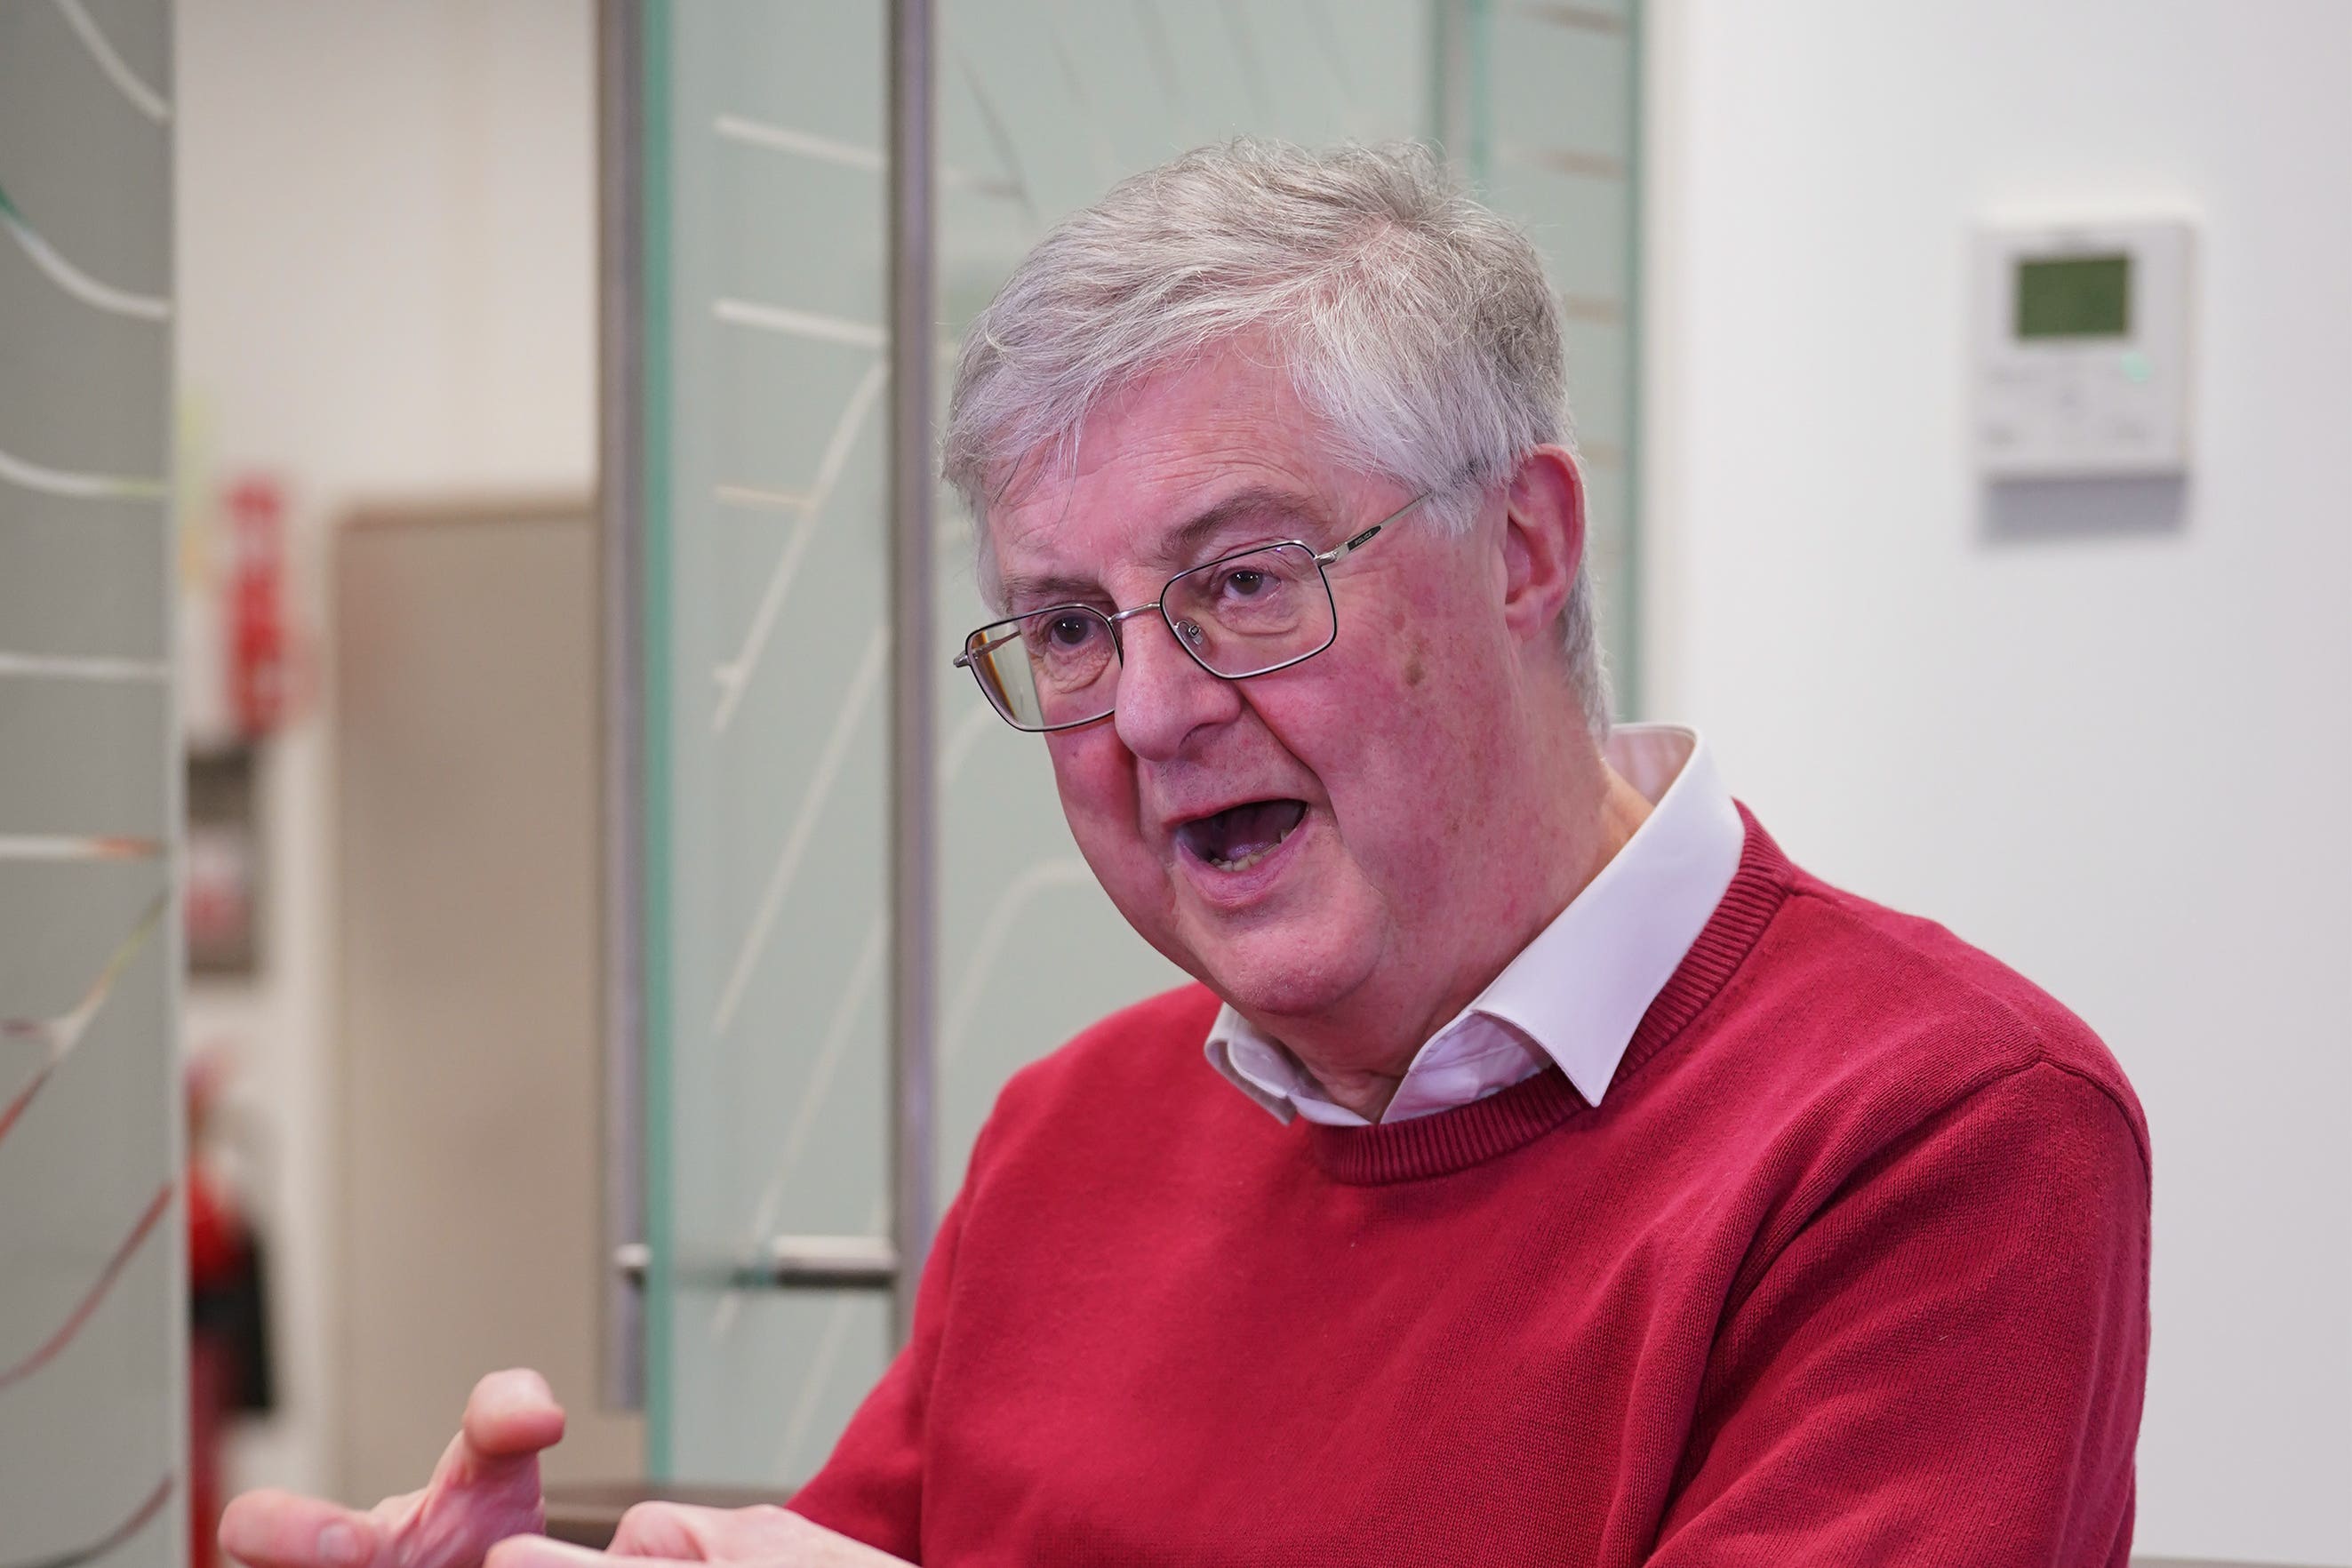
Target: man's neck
<point x="1365" y="1081"/>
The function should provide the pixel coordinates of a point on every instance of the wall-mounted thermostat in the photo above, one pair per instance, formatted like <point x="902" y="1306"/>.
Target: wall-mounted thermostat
<point x="2082" y="357"/>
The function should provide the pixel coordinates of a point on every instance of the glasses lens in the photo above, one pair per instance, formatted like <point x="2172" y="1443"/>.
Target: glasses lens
<point x="1249" y="613"/>
<point x="1049" y="670"/>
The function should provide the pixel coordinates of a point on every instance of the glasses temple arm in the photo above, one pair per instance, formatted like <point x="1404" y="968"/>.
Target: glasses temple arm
<point x="1339" y="552"/>
<point x="963" y="661"/>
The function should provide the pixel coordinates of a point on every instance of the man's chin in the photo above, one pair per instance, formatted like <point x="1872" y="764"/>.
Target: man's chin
<point x="1277" y="972"/>
<point x="1292" y="936"/>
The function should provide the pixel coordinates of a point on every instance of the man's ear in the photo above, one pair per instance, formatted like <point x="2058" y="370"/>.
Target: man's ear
<point x="1543" y="543"/>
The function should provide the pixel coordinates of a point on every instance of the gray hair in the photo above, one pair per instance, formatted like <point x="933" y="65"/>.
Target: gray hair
<point x="1413" y="321"/>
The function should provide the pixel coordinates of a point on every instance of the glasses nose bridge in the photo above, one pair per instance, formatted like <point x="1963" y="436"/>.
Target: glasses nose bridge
<point x="1119" y="619"/>
<point x="1185" y="633"/>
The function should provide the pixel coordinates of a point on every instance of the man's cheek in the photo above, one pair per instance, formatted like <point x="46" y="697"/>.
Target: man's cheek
<point x="1094" y="789"/>
<point x="1099" y="803"/>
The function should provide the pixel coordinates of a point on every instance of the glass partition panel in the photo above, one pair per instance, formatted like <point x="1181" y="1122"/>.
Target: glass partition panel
<point x="767" y="930"/>
<point x="769" y="714"/>
<point x="92" y="1311"/>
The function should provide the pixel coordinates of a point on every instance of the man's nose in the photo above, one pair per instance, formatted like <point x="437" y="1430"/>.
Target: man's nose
<point x="1163" y="693"/>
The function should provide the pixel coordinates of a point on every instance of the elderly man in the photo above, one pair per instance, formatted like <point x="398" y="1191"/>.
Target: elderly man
<point x="1570" y="1177"/>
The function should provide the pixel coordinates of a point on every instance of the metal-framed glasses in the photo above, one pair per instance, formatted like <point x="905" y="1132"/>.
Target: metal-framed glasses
<point x="1250" y="613"/>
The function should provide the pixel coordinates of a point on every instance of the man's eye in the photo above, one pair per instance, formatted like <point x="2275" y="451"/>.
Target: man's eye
<point x="1069" y="631"/>
<point x="1245" y="582"/>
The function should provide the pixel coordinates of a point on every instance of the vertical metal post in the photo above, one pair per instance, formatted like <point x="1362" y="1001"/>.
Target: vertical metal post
<point x="620" y="442"/>
<point x="913" y="902"/>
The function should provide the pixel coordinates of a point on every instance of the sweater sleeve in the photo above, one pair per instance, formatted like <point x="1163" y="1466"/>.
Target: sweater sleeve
<point x="1945" y="1364"/>
<point x="871" y="1488"/>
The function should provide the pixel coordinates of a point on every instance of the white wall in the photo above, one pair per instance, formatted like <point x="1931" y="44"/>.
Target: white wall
<point x="385" y="267"/>
<point x="2117" y="759"/>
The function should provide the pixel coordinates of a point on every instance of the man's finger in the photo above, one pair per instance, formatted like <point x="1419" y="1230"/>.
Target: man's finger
<point x="659" y="1530"/>
<point x="540" y="1551"/>
<point x="512" y="1414"/>
<point x="815" y="1548"/>
<point x="280" y="1530"/>
<point x="688" y="1531"/>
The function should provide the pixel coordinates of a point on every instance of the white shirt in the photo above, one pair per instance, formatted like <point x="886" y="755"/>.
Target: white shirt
<point x="1573" y="996"/>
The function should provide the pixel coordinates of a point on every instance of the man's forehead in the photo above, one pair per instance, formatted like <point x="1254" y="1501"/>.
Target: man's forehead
<point x="1160" y="471"/>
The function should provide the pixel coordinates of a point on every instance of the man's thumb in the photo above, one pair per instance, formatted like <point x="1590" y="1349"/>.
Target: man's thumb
<point x="511" y="1416"/>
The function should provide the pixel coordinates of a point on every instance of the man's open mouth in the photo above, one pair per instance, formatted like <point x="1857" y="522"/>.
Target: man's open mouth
<point x="1240" y="837"/>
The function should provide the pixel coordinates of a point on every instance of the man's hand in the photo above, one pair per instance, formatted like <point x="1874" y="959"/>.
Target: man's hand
<point x="485" y="1490"/>
<point x="655" y="1532"/>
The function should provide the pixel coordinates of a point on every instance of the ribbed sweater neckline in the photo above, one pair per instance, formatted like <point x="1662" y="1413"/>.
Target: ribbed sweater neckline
<point x="1452" y="1141"/>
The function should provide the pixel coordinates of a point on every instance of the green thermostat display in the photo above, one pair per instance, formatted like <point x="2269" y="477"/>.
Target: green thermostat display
<point x="2075" y="297"/>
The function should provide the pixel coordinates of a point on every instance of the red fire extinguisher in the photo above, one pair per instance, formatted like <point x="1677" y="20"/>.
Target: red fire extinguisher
<point x="260" y="654"/>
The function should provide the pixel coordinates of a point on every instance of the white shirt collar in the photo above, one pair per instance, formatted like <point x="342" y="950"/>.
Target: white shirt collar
<point x="1576" y="992"/>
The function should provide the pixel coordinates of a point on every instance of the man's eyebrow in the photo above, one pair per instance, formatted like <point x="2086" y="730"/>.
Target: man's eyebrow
<point x="1185" y="542"/>
<point x="1183" y="546"/>
<point x="1039" y="590"/>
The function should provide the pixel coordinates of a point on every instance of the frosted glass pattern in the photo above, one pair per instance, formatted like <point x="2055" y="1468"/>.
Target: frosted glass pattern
<point x="768" y="860"/>
<point x="92" y="1316"/>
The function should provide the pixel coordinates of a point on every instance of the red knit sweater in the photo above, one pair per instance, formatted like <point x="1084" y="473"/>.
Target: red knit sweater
<point x="1849" y="1267"/>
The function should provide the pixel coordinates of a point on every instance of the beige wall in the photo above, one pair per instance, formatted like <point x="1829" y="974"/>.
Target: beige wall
<point x="469" y="1148"/>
